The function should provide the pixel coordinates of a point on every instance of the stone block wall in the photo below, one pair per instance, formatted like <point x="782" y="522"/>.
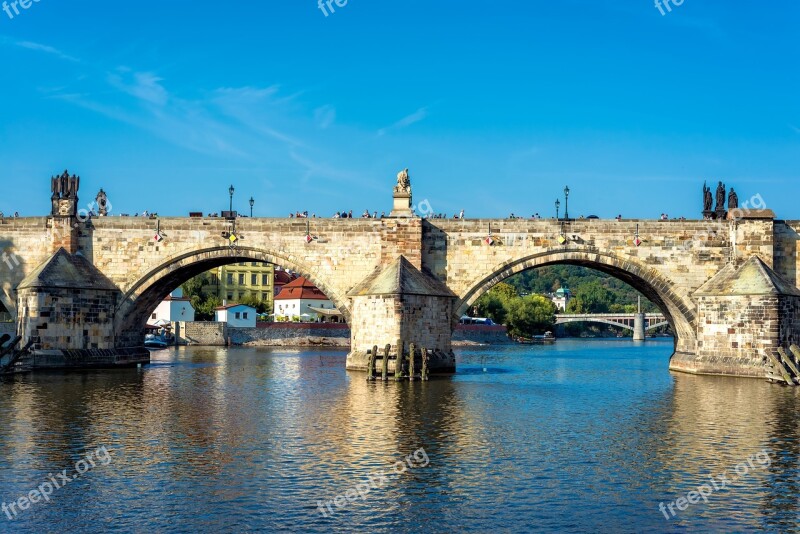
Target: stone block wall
<point x="201" y="333"/>
<point x="64" y="319"/>
<point x="24" y="245"/>
<point x="376" y="320"/>
<point x="292" y="334"/>
<point x="735" y="333"/>
<point x="402" y="237"/>
<point x="786" y="250"/>
<point x="789" y="312"/>
<point x="479" y="333"/>
<point x="8" y="328"/>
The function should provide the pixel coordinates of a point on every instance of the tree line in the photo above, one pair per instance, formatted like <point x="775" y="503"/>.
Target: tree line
<point x="522" y="303"/>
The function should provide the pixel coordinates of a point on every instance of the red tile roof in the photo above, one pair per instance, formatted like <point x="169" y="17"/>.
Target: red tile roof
<point x="300" y="288"/>
<point x="282" y="278"/>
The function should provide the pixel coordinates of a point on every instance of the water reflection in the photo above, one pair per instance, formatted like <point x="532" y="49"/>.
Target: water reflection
<point x="578" y="436"/>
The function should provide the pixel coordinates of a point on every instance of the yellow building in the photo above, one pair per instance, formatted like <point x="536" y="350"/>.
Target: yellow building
<point x="232" y="283"/>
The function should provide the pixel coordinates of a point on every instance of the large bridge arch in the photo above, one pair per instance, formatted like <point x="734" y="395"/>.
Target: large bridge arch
<point x="151" y="287"/>
<point x="678" y="309"/>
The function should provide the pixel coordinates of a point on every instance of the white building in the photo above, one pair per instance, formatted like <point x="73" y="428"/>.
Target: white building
<point x="174" y="308"/>
<point x="561" y="298"/>
<point x="301" y="300"/>
<point x="237" y="315"/>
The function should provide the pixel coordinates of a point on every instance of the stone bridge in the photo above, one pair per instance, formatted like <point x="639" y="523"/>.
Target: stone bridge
<point x="727" y="288"/>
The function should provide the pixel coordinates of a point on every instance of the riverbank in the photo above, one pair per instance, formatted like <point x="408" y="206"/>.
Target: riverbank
<point x="311" y="335"/>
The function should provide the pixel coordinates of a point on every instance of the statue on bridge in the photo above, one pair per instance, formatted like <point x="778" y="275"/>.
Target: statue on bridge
<point x="707" y="198"/>
<point x="102" y="203"/>
<point x="403" y="182"/>
<point x="721" y="197"/>
<point x="65" y="194"/>
<point x="733" y="200"/>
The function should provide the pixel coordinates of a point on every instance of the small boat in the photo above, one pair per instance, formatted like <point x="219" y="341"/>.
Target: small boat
<point x="152" y="341"/>
<point x="546" y="338"/>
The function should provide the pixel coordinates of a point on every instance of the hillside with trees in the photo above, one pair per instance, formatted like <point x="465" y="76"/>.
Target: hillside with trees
<point x="523" y="305"/>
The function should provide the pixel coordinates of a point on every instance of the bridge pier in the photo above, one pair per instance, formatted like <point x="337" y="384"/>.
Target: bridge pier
<point x="638" y="327"/>
<point x="400" y="302"/>
<point x="744" y="312"/>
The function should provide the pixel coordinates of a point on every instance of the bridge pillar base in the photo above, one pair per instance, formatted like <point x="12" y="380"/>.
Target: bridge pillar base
<point x="401" y="303"/>
<point x="744" y="313"/>
<point x="67" y="305"/>
<point x="638" y="327"/>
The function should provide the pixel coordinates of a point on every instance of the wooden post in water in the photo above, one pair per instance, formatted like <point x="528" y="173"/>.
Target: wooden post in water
<point x="788" y="361"/>
<point x="424" y="363"/>
<point x="398" y="363"/>
<point x="371" y="363"/>
<point x="412" y="349"/>
<point x="796" y="353"/>
<point x="385" y="369"/>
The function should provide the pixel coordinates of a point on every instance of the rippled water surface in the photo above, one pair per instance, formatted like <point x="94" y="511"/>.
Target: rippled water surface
<point x="580" y="436"/>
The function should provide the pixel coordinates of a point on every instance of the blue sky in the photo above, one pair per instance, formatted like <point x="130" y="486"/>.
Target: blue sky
<point x="493" y="107"/>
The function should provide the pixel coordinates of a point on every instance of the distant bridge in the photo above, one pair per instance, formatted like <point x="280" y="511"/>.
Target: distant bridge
<point x="622" y="320"/>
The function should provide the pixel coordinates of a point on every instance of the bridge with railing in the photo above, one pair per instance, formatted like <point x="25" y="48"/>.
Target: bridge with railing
<point x="629" y="321"/>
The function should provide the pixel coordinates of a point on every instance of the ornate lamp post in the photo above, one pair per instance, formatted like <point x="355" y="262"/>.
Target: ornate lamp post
<point x="230" y="190"/>
<point x="252" y="201"/>
<point x="566" y="202"/>
<point x="558" y="204"/>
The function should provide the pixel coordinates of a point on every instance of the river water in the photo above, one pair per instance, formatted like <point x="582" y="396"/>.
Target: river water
<point x="579" y="436"/>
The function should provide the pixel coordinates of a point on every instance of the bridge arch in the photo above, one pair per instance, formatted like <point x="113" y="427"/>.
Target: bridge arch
<point x="679" y="310"/>
<point x="152" y="286"/>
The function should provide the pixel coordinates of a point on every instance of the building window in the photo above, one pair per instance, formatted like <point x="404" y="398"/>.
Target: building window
<point x="245" y="317"/>
<point x="153" y="316"/>
<point x="253" y="279"/>
<point x="264" y="279"/>
<point x="230" y="296"/>
<point x="254" y="264"/>
<point x="214" y="280"/>
<point x="230" y="279"/>
<point x="241" y="279"/>
<point x="237" y="315"/>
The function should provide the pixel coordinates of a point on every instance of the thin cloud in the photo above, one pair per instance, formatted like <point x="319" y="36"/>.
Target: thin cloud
<point x="325" y="116"/>
<point x="38" y="47"/>
<point x="405" y="122"/>
<point x="144" y="86"/>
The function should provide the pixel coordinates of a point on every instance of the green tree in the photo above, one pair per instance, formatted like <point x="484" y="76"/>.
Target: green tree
<point x="194" y="286"/>
<point x="204" y="310"/>
<point x="494" y="303"/>
<point x="255" y="302"/>
<point x="530" y="315"/>
<point x="591" y="297"/>
<point x="491" y="306"/>
<point x="504" y="291"/>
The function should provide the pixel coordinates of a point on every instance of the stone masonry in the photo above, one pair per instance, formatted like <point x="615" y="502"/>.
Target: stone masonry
<point x="456" y="260"/>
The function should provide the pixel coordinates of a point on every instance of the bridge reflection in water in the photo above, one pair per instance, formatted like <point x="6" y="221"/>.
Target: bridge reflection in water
<point x="258" y="436"/>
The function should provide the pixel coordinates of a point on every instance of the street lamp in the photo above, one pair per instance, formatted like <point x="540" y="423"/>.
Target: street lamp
<point x="252" y="201"/>
<point x="230" y="190"/>
<point x="566" y="202"/>
<point x="558" y="204"/>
